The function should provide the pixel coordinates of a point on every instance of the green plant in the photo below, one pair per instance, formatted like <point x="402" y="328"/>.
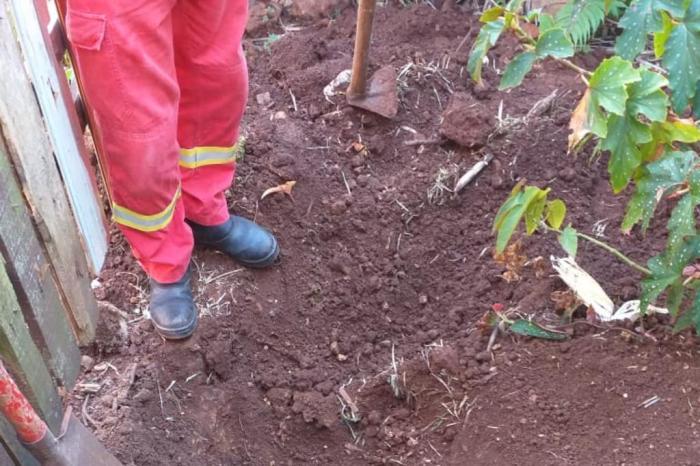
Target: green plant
<point x="497" y="318"/>
<point x="636" y="112"/>
<point x="580" y="19"/>
<point x="266" y="42"/>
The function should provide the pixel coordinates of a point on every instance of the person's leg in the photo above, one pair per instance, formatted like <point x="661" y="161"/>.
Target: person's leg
<point x="213" y="79"/>
<point x="123" y="51"/>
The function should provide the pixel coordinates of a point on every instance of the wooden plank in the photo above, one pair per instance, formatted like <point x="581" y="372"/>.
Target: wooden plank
<point x="23" y="359"/>
<point x="32" y="151"/>
<point x="33" y="280"/>
<point x="66" y="141"/>
<point x="58" y="46"/>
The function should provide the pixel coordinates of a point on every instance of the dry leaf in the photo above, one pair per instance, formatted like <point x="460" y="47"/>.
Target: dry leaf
<point x="284" y="188"/>
<point x="600" y="307"/>
<point x="539" y="265"/>
<point x="579" y="121"/>
<point x="513" y="260"/>
<point x="587" y="289"/>
<point x="564" y="300"/>
<point x="358" y="146"/>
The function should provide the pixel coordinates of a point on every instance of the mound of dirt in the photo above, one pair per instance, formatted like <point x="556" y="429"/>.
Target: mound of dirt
<point x="466" y="121"/>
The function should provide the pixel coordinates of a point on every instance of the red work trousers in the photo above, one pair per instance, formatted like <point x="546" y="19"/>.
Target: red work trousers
<point x="167" y="83"/>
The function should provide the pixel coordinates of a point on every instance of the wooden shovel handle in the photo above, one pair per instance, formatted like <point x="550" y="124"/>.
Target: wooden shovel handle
<point x="14" y="405"/>
<point x="363" y="36"/>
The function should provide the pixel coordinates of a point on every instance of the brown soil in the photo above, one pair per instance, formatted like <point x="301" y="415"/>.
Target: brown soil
<point x="372" y="315"/>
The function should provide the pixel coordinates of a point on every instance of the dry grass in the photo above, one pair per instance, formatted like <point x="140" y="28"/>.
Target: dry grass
<point x="440" y="189"/>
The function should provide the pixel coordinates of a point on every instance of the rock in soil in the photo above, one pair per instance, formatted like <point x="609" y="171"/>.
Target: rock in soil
<point x="466" y="121"/>
<point x="314" y="9"/>
<point x="87" y="363"/>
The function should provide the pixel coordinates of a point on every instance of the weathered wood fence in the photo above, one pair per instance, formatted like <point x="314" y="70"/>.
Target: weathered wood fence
<point x="53" y="234"/>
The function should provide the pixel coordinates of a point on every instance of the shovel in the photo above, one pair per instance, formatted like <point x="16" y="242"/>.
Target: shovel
<point x="76" y="446"/>
<point x="379" y="94"/>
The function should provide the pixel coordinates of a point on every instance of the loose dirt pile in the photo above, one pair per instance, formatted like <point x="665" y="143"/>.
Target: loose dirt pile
<point x="363" y="347"/>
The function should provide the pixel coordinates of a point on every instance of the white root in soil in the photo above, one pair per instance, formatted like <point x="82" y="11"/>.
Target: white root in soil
<point x="472" y="173"/>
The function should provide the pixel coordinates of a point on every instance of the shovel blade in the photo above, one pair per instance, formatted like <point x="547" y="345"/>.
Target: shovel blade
<point x="380" y="95"/>
<point x="80" y="446"/>
<point x="77" y="447"/>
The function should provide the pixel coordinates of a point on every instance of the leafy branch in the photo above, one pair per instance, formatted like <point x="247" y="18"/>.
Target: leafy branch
<point x="635" y="114"/>
<point x="528" y="204"/>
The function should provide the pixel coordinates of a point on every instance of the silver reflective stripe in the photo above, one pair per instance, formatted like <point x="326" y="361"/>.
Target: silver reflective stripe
<point x="207" y="155"/>
<point x="141" y="222"/>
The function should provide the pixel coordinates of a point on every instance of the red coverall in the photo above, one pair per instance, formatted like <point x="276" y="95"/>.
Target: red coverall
<point x="168" y="83"/>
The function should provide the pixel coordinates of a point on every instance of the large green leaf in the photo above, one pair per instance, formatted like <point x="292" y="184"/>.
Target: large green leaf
<point x="514" y="5"/>
<point x="580" y="19"/>
<point x="647" y="97"/>
<point x="533" y="214"/>
<point x="690" y="318"/>
<point x="609" y="81"/>
<point x="682" y="222"/>
<point x="641" y="18"/>
<point x="696" y="101"/>
<point x="682" y="57"/>
<point x="507" y="206"/>
<point x="556" y="211"/>
<point x="491" y="14"/>
<point x="546" y="22"/>
<point x="666" y="269"/>
<point x="554" y="43"/>
<point x="657" y="179"/>
<point x="488" y="35"/>
<point x="615" y="8"/>
<point x="608" y="90"/>
<point x="625" y="134"/>
<point x="569" y="241"/>
<point x="675" y="294"/>
<point x="670" y="131"/>
<point x="694" y="183"/>
<point x="517" y="69"/>
<point x="661" y="36"/>
<point x="512" y="211"/>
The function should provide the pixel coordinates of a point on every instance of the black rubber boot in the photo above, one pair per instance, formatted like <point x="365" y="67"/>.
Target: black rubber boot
<point x="172" y="308"/>
<point x="243" y="240"/>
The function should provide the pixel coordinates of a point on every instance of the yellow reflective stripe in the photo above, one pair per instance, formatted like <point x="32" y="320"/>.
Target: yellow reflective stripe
<point x="141" y="222"/>
<point x="208" y="155"/>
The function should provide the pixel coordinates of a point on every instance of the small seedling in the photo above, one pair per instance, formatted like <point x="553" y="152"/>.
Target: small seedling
<point x="266" y="42"/>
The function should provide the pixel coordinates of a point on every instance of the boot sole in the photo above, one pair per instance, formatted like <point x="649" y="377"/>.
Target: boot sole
<point x="178" y="334"/>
